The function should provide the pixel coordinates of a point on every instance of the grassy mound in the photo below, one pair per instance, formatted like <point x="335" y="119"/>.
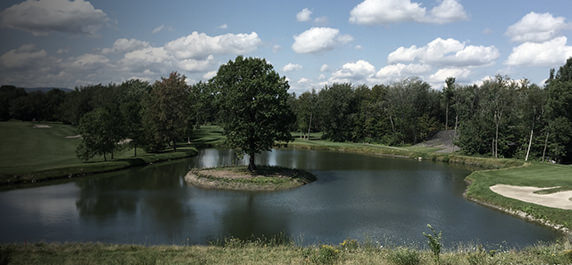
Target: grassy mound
<point x="265" y="178"/>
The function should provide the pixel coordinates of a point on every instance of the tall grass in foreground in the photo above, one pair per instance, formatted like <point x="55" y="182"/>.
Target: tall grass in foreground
<point x="279" y="250"/>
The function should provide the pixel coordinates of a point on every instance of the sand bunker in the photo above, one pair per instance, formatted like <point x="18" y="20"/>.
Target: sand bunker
<point x="560" y="200"/>
<point x="42" y="126"/>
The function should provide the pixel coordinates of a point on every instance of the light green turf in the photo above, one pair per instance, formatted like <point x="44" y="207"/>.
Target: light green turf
<point x="536" y="175"/>
<point x="29" y="154"/>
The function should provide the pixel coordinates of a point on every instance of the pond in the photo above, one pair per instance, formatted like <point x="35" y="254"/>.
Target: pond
<point x="387" y="200"/>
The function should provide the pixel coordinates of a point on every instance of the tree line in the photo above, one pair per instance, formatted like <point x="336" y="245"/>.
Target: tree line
<point x="499" y="118"/>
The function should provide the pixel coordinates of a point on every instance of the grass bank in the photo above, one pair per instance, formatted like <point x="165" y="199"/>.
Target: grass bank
<point x="32" y="152"/>
<point x="415" y="152"/>
<point x="531" y="174"/>
<point x="260" y="252"/>
<point x="264" y="178"/>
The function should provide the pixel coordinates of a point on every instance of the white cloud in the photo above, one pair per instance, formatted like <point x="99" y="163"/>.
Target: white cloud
<point x="22" y="57"/>
<point x="223" y="26"/>
<point x="319" y="39"/>
<point x="126" y="45"/>
<point x="536" y="27"/>
<point x="395" y="72"/>
<point x="45" y="16"/>
<point x="446" y="52"/>
<point x="446" y="12"/>
<point x="358" y="47"/>
<point x="161" y="28"/>
<point x="547" y="53"/>
<point x="209" y="75"/>
<point x="371" y="12"/>
<point x="459" y="74"/>
<point x="89" y="60"/>
<point x="359" y="71"/>
<point x="324" y="68"/>
<point x="291" y="67"/>
<point x="304" y="15"/>
<point x="200" y="45"/>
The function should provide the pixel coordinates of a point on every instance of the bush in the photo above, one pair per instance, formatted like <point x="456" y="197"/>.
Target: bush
<point x="326" y="255"/>
<point x="404" y="256"/>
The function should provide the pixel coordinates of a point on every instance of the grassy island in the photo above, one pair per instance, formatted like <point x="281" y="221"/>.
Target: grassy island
<point x="264" y="178"/>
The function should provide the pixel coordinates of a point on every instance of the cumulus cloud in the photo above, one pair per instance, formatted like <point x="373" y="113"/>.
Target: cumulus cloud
<point x="445" y="52"/>
<point x="291" y="67"/>
<point x="44" y="16"/>
<point x="459" y="74"/>
<point x="276" y="48"/>
<point x="223" y="26"/>
<point x="304" y="15"/>
<point x="547" y="53"/>
<point x="324" y="68"/>
<point x="372" y="12"/>
<point x="89" y="60"/>
<point x="321" y="20"/>
<point x="209" y="75"/>
<point x="395" y="72"/>
<point x="319" y="39"/>
<point x="24" y="56"/>
<point x="535" y="27"/>
<point x="358" y="71"/>
<point x="126" y="45"/>
<point x="200" y="45"/>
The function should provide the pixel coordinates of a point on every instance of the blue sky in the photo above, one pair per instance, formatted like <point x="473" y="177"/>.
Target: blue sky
<point x="66" y="43"/>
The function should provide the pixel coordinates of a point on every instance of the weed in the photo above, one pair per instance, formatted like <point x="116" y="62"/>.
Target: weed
<point x="434" y="241"/>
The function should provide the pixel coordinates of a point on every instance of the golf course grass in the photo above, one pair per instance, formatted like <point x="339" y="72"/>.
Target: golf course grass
<point x="531" y="174"/>
<point x="32" y="152"/>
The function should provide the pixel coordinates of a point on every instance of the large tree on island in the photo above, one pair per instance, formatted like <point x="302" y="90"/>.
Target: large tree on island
<point x="253" y="101"/>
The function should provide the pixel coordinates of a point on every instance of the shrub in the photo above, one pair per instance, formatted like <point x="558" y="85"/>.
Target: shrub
<point x="404" y="256"/>
<point x="326" y="255"/>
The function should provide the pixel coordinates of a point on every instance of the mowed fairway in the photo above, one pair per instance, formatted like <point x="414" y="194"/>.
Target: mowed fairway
<point x="534" y="175"/>
<point x="24" y="148"/>
<point x="32" y="151"/>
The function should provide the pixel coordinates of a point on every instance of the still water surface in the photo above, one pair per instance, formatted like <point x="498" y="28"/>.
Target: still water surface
<point x="356" y="196"/>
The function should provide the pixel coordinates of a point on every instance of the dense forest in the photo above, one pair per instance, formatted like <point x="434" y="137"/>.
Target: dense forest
<point x="499" y="118"/>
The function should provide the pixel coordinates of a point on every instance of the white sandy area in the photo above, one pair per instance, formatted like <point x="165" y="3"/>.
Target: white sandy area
<point x="42" y="126"/>
<point x="73" y="136"/>
<point x="560" y="200"/>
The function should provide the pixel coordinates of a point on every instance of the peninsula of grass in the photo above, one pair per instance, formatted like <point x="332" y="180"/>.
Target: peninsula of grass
<point x="532" y="174"/>
<point x="32" y="152"/>
<point x="264" y="178"/>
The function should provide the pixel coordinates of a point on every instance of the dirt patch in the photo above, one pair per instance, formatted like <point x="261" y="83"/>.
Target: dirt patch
<point x="443" y="140"/>
<point x="238" y="178"/>
<point x="560" y="199"/>
<point x="42" y="126"/>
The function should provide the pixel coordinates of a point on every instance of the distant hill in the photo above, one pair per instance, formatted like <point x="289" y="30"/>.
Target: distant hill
<point x="46" y="89"/>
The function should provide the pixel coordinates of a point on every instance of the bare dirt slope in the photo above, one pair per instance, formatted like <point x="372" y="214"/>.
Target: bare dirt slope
<point x="443" y="140"/>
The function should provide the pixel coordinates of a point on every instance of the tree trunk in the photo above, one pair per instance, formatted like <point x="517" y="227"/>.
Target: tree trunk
<point x="251" y="165"/>
<point x="135" y="150"/>
<point x="498" y="117"/>
<point x="104" y="157"/>
<point x="545" y="144"/>
<point x="392" y="125"/>
<point x="174" y="145"/>
<point x="456" y="121"/>
<point x="310" y="125"/>
<point x="111" y="155"/>
<point x="529" y="143"/>
<point x="447" y="117"/>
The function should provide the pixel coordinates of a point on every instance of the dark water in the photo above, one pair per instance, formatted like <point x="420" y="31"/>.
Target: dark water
<point x="361" y="197"/>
